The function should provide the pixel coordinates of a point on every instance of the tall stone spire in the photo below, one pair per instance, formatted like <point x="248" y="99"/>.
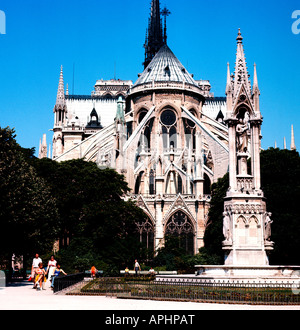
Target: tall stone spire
<point x="60" y="99"/>
<point x="60" y="108"/>
<point x="120" y="116"/>
<point x="255" y="91"/>
<point x="255" y="80"/>
<point x="154" y="38"/>
<point x="229" y="90"/>
<point x="60" y="113"/>
<point x="228" y="84"/>
<point x="241" y="70"/>
<point x="43" y="147"/>
<point x="120" y="135"/>
<point x="293" y="146"/>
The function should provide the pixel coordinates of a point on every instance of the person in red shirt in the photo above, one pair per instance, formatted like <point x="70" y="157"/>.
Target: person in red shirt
<point x="94" y="272"/>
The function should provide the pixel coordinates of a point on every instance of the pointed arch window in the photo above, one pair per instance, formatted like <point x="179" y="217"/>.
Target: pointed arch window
<point x="180" y="229"/>
<point x="190" y="133"/>
<point x="145" y="139"/>
<point x="168" y="121"/>
<point x="152" y="182"/>
<point x="139" y="183"/>
<point x="146" y="234"/>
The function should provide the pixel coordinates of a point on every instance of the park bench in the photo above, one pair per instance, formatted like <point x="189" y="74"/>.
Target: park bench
<point x="142" y="273"/>
<point x="147" y="272"/>
<point x="167" y="273"/>
<point x="98" y="274"/>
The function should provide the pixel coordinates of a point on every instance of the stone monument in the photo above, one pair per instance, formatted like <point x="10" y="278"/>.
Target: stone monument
<point x="246" y="221"/>
<point x="247" y="224"/>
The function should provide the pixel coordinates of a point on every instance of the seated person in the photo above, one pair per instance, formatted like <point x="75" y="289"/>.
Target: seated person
<point x="152" y="271"/>
<point x="126" y="271"/>
<point x="40" y="277"/>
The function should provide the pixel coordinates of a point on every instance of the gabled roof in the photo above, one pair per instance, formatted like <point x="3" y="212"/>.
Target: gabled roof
<point x="165" y="67"/>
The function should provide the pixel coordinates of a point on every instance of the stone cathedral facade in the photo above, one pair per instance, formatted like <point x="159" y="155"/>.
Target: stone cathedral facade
<point x="166" y="133"/>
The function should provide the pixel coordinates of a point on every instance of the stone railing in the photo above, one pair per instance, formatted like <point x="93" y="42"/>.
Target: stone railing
<point x="166" y="85"/>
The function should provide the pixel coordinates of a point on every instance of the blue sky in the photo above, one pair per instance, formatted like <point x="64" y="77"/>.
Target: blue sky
<point x="96" y="34"/>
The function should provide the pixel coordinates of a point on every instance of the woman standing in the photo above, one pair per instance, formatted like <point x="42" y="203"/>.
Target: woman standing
<point x="51" y="267"/>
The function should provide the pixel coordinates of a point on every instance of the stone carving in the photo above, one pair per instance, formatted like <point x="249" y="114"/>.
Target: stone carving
<point x="242" y="130"/>
<point x="226" y="227"/>
<point x="268" y="223"/>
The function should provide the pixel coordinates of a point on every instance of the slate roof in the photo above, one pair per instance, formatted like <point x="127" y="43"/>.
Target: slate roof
<point x="165" y="67"/>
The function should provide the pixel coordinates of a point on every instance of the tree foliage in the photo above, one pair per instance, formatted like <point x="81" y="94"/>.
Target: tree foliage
<point x="280" y="174"/>
<point x="87" y="210"/>
<point x="213" y="237"/>
<point x="172" y="257"/>
<point x="95" y="217"/>
<point x="27" y="209"/>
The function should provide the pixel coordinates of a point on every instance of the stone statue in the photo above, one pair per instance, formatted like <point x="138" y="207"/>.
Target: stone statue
<point x="247" y="120"/>
<point x="268" y="223"/>
<point x="226" y="227"/>
<point x="242" y="129"/>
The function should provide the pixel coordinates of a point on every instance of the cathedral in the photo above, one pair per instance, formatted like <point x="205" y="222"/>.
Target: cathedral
<point x="166" y="133"/>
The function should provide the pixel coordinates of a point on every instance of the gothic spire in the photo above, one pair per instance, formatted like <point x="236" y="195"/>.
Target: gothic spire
<point x="228" y="83"/>
<point x="120" y="117"/>
<point x="155" y="38"/>
<point x="241" y="70"/>
<point x="293" y="146"/>
<point x="43" y="148"/>
<point x="60" y="108"/>
<point x="60" y="99"/>
<point x="255" y="91"/>
<point x="255" y="80"/>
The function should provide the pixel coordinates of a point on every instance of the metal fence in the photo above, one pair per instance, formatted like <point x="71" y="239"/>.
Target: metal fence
<point x="207" y="292"/>
<point x="64" y="282"/>
<point x="262" y="293"/>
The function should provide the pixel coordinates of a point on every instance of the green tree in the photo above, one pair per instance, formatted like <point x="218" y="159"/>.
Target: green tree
<point x="280" y="173"/>
<point x="173" y="258"/>
<point x="28" y="214"/>
<point x="97" y="220"/>
<point x="213" y="237"/>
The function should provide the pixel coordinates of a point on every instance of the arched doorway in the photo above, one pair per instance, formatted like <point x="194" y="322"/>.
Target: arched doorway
<point x="180" y="227"/>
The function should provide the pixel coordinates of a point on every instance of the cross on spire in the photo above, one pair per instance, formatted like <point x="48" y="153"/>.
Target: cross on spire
<point x="155" y="37"/>
<point x="165" y="13"/>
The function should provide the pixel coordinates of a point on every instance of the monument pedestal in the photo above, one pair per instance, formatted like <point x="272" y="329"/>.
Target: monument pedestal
<point x="238" y="274"/>
<point x="249" y="273"/>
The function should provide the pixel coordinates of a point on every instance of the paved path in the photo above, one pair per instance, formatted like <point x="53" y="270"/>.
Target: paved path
<point x="21" y="296"/>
